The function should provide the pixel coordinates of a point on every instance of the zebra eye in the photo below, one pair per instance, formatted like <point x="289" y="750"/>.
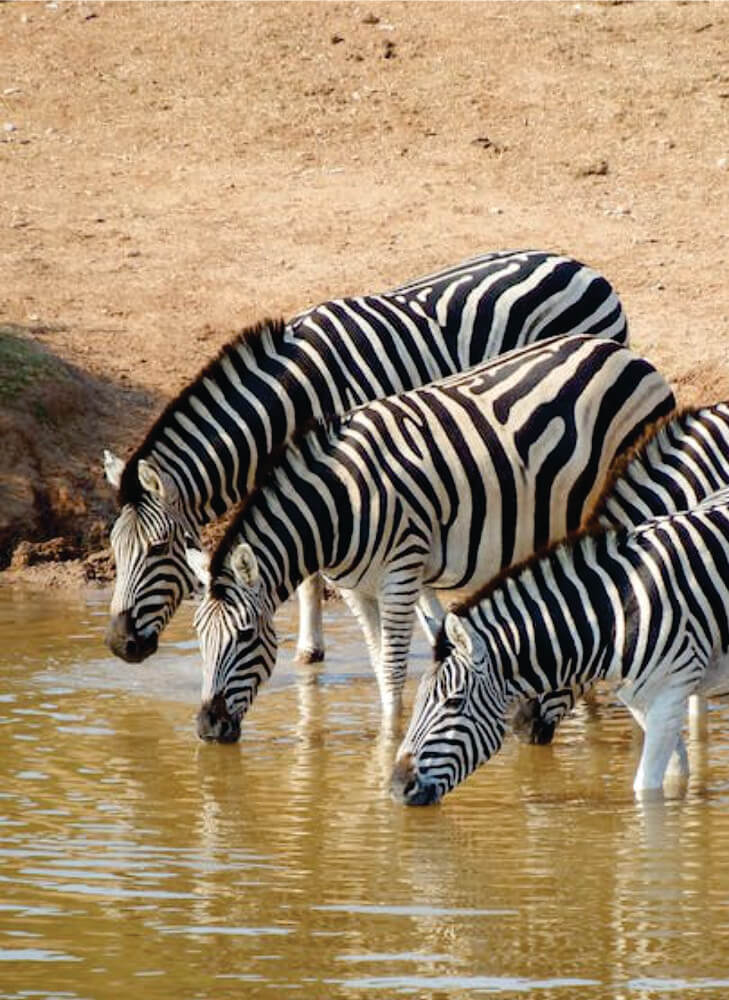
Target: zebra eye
<point x="158" y="548"/>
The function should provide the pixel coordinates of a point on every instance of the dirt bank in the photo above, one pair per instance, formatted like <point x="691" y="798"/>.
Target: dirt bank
<point x="172" y="172"/>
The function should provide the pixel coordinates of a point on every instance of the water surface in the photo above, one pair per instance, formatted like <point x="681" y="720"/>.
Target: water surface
<point x="137" y="862"/>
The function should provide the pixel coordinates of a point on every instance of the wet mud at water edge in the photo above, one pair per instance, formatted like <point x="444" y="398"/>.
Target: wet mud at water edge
<point x="137" y="861"/>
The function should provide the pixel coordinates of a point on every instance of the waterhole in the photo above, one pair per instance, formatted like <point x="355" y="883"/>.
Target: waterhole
<point x="136" y="861"/>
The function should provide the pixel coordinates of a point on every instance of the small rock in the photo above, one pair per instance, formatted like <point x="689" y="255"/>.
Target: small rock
<point x="370" y="19"/>
<point x="10" y="127"/>
<point x="336" y="39"/>
<point x="56" y="550"/>
<point x="389" y="47"/>
<point x="485" y="142"/>
<point x="596" y="169"/>
<point x="723" y="162"/>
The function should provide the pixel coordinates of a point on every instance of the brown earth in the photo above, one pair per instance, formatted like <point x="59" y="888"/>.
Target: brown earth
<point x="172" y="172"/>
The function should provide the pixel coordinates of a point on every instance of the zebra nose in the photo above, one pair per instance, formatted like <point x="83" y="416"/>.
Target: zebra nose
<point x="406" y="786"/>
<point x="404" y="777"/>
<point x="125" y="642"/>
<point x="215" y="724"/>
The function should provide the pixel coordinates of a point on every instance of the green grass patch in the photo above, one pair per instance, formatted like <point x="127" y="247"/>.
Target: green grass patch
<point x="24" y="363"/>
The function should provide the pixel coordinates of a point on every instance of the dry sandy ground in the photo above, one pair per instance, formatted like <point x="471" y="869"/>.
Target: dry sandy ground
<point x="172" y="172"/>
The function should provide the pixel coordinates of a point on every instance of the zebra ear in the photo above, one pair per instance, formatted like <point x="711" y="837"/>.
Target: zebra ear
<point x="465" y="639"/>
<point x="113" y="468"/>
<point x="160" y="483"/>
<point x="199" y="563"/>
<point x="244" y="565"/>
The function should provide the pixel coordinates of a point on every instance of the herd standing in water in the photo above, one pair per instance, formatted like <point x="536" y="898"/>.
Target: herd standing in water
<point x="433" y="439"/>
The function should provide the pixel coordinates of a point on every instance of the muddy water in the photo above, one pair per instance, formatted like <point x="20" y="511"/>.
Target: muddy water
<point x="136" y="862"/>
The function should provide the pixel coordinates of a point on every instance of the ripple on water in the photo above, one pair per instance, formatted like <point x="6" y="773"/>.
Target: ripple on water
<point x="132" y="852"/>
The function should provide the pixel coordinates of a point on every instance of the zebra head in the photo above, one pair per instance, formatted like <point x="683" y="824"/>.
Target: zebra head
<point x="234" y="624"/>
<point x="458" y="721"/>
<point x="152" y="576"/>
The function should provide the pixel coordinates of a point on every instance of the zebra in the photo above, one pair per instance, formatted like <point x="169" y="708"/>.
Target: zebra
<point x="203" y="453"/>
<point x="677" y="463"/>
<point x="646" y="609"/>
<point x="435" y="489"/>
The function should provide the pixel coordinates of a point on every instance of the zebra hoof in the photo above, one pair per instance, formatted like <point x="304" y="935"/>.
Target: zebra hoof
<point x="309" y="655"/>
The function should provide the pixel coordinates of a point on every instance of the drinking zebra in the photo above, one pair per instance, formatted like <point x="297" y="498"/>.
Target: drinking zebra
<point x="437" y="488"/>
<point x="645" y="608"/>
<point x="204" y="452"/>
<point x="679" y="462"/>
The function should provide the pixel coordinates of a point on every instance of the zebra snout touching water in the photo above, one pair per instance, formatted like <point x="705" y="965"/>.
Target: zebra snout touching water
<point x="215" y="724"/>
<point x="149" y="540"/>
<point x="646" y="609"/>
<point x="208" y="446"/>
<point x="436" y="489"/>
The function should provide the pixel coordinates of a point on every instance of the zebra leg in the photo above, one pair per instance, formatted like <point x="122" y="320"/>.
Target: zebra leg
<point x="430" y="613"/>
<point x="662" y="741"/>
<point x="378" y="637"/>
<point x="310" y="643"/>
<point x="367" y="613"/>
<point x="397" y="618"/>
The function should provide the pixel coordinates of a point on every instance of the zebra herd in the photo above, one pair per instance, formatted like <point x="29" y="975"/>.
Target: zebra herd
<point x="484" y="429"/>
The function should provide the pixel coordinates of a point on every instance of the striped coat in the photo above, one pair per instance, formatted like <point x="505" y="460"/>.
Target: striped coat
<point x="436" y="488"/>
<point x="646" y="609"/>
<point x="206" y="449"/>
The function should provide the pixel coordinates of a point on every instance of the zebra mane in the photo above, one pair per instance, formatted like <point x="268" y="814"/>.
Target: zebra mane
<point x="320" y="426"/>
<point x="130" y="490"/>
<point x="620" y="463"/>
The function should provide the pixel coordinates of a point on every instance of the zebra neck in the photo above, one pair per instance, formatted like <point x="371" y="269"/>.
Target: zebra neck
<point x="295" y="528"/>
<point x="553" y="626"/>
<point x="233" y="419"/>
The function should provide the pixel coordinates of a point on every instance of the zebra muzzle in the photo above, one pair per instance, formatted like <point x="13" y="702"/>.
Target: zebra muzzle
<point x="407" y="787"/>
<point x="125" y="642"/>
<point x="215" y="724"/>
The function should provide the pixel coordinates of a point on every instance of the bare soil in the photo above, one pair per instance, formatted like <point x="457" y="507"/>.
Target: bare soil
<point x="170" y="173"/>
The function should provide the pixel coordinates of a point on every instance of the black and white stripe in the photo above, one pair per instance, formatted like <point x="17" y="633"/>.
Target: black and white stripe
<point x="437" y="488"/>
<point x="646" y="609"/>
<point x="205" y="450"/>
<point x="678" y="463"/>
